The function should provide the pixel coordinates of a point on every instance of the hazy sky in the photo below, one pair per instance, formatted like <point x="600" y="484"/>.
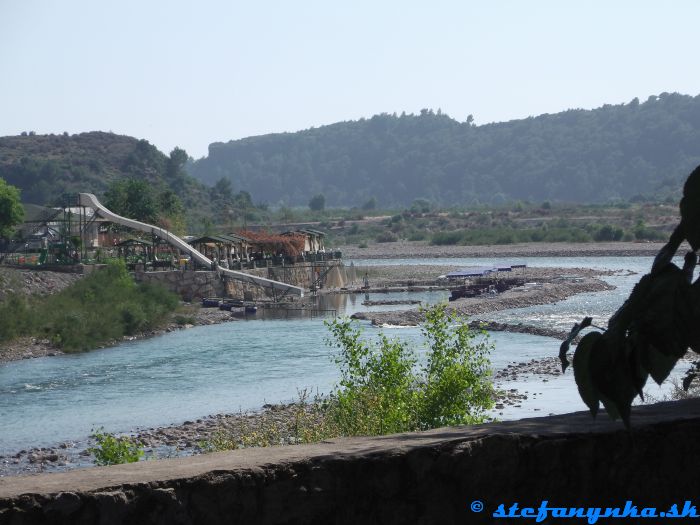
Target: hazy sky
<point x="188" y="73"/>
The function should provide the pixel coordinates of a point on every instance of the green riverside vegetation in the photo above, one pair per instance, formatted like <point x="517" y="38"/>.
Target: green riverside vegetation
<point x="112" y="450"/>
<point x="102" y="307"/>
<point x="386" y="388"/>
<point x="383" y="390"/>
<point x="517" y="222"/>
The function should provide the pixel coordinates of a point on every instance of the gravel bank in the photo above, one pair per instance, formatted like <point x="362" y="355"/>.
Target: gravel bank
<point x="32" y="282"/>
<point x="543" y="286"/>
<point x="408" y="249"/>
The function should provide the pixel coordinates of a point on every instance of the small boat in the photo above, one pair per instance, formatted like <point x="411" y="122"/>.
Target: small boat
<point x="229" y="304"/>
<point x="211" y="302"/>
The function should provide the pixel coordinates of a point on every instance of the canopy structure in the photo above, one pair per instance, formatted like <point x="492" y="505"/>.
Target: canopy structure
<point x="88" y="200"/>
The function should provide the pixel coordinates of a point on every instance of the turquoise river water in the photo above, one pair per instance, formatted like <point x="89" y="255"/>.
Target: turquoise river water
<point x="242" y="365"/>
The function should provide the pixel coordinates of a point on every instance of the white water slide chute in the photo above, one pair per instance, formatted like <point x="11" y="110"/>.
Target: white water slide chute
<point x="88" y="200"/>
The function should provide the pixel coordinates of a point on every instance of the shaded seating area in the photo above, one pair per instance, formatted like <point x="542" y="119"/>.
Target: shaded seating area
<point x="156" y="255"/>
<point x="227" y="250"/>
<point x="275" y="249"/>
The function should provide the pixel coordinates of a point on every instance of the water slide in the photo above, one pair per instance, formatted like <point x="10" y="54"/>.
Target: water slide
<point x="88" y="200"/>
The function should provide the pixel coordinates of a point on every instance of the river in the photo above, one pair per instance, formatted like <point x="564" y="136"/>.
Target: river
<point x="243" y="365"/>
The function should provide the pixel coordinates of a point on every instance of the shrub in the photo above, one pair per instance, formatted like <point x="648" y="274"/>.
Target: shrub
<point x="103" y="306"/>
<point x="417" y="236"/>
<point x="182" y="320"/>
<point x="446" y="238"/>
<point x="644" y="233"/>
<point x="383" y="390"/>
<point x="15" y="317"/>
<point x="608" y="233"/>
<point x="387" y="237"/>
<point x="457" y="388"/>
<point x="111" y="450"/>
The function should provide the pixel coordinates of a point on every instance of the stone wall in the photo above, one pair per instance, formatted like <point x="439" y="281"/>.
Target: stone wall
<point x="423" y="478"/>
<point x="189" y="285"/>
<point x="193" y="286"/>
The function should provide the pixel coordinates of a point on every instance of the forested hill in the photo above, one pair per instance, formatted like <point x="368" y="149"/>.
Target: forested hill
<point x="44" y="167"/>
<point x="613" y="152"/>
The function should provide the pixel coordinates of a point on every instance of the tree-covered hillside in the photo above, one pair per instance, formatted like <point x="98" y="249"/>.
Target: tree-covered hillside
<point x="613" y="152"/>
<point x="45" y="167"/>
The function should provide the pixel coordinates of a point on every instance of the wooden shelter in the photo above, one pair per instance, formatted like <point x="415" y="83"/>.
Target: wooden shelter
<point x="268" y="245"/>
<point x="225" y="249"/>
<point x="313" y="239"/>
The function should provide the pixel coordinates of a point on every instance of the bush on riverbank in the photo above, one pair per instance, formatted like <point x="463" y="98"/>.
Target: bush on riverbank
<point x="104" y="306"/>
<point x="383" y="389"/>
<point x="112" y="450"/>
<point x="564" y="233"/>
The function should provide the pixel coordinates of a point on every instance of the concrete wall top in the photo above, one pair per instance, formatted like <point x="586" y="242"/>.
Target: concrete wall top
<point x="145" y="472"/>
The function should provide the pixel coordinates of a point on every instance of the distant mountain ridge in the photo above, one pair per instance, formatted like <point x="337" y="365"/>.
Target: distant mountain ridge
<point x="612" y="152"/>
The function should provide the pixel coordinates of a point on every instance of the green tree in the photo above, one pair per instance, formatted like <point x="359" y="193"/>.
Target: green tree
<point x="178" y="159"/>
<point x="223" y="190"/>
<point x="421" y="206"/>
<point x="371" y="204"/>
<point x="11" y="210"/>
<point x="175" y="170"/>
<point x="171" y="212"/>
<point x="133" y="198"/>
<point x="317" y="202"/>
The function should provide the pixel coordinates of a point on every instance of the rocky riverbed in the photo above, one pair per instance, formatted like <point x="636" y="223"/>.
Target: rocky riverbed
<point x="32" y="282"/>
<point x="277" y="424"/>
<point x="542" y="286"/>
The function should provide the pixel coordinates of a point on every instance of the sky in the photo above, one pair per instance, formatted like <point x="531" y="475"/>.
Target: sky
<point x="186" y="73"/>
